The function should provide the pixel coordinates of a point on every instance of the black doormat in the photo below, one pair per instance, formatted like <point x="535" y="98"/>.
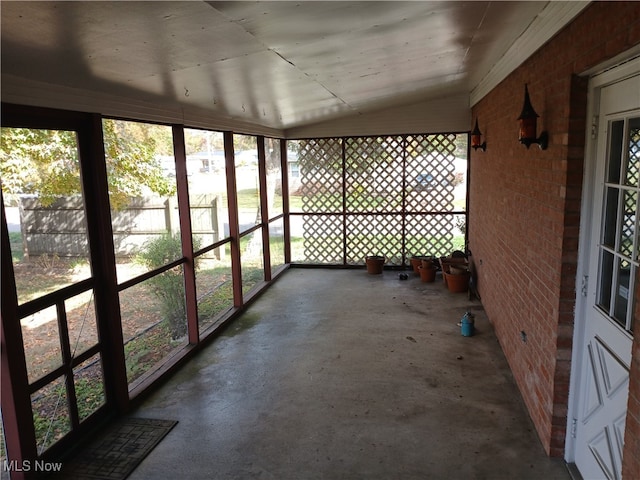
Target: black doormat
<point x="116" y="452"/>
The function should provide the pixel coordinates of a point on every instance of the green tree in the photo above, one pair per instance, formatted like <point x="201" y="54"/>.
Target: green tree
<point x="132" y="166"/>
<point x="42" y="162"/>
<point x="46" y="162"/>
<point x="244" y="142"/>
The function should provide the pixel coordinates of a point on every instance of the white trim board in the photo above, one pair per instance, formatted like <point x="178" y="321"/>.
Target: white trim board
<point x="554" y="17"/>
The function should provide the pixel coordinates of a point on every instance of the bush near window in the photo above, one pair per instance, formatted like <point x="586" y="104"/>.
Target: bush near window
<point x="168" y="286"/>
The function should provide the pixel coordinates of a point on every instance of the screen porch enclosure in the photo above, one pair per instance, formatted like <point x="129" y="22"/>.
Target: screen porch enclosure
<point x="394" y="196"/>
<point x="153" y="237"/>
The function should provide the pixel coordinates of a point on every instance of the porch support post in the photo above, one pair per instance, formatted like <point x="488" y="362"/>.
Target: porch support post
<point x="264" y="208"/>
<point x="234" y="225"/>
<point x="343" y="150"/>
<point x="189" y="273"/>
<point x="96" y="193"/>
<point x="405" y="260"/>
<point x="286" y="224"/>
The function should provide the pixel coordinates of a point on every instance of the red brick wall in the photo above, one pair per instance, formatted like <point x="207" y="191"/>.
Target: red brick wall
<point x="524" y="211"/>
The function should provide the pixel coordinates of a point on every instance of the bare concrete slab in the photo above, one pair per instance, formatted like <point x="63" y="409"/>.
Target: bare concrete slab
<point x="337" y="374"/>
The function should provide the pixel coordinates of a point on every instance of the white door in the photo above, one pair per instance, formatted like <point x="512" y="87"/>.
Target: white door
<point x="612" y="248"/>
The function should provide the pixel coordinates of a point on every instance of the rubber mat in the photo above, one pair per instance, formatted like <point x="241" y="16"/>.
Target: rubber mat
<point x="114" y="454"/>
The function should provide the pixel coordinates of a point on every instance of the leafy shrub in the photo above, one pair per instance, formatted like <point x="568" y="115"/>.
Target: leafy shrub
<point x="168" y="286"/>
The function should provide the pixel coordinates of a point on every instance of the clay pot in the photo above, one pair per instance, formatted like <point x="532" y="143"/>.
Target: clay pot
<point x="447" y="262"/>
<point x="415" y="263"/>
<point x="374" y="263"/>
<point x="457" y="283"/>
<point x="427" y="274"/>
<point x="427" y="262"/>
<point x="458" y="269"/>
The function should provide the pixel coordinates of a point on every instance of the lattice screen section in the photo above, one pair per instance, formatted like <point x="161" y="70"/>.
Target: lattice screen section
<point x="632" y="176"/>
<point x="374" y="235"/>
<point x="323" y="239"/>
<point x="320" y="164"/>
<point x="430" y="173"/>
<point x="398" y="196"/>
<point x="436" y="235"/>
<point x="374" y="179"/>
<point x="633" y="169"/>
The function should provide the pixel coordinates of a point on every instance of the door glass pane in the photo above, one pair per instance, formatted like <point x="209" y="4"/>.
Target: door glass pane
<point x="606" y="280"/>
<point x="620" y="222"/>
<point x="628" y="222"/>
<point x="622" y="292"/>
<point x="142" y="190"/>
<point x="247" y="182"/>
<point x="610" y="216"/>
<point x="615" y="151"/>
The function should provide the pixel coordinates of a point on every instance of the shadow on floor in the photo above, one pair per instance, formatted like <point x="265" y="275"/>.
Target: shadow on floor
<point x="336" y="374"/>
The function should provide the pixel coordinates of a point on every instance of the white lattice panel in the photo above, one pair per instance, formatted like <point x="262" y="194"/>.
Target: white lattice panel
<point x="391" y="196"/>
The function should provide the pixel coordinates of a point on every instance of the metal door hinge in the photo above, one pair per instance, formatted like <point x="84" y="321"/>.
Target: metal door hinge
<point x="594" y="127"/>
<point x="574" y="427"/>
<point x="584" y="286"/>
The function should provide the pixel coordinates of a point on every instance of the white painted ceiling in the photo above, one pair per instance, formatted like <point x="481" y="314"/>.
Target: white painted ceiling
<point x="277" y="64"/>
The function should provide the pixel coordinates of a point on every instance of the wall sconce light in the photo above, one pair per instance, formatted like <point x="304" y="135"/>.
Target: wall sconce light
<point x="476" y="138"/>
<point x="528" y="119"/>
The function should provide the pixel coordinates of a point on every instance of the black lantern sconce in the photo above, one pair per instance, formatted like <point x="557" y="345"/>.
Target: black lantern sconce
<point x="528" y="119"/>
<point x="476" y="138"/>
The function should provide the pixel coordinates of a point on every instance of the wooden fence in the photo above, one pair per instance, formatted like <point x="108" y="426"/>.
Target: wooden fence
<point x="60" y="228"/>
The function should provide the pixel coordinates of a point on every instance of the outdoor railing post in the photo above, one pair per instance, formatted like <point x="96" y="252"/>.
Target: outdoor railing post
<point x="234" y="225"/>
<point x="184" y="214"/>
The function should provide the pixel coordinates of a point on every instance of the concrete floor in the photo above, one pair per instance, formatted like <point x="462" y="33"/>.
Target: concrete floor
<point x="337" y="374"/>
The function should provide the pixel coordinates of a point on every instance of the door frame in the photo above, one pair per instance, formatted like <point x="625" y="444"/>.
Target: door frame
<point x="602" y="76"/>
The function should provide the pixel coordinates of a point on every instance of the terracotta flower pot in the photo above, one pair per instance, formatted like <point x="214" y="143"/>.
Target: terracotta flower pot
<point x="457" y="283"/>
<point x="415" y="263"/>
<point x="447" y="262"/>
<point x="458" y="269"/>
<point x="417" y="260"/>
<point x="427" y="262"/>
<point x="374" y="263"/>
<point x="427" y="274"/>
